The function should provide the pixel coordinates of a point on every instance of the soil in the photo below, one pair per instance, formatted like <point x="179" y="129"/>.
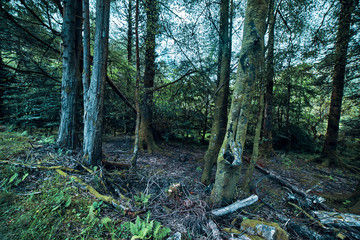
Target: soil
<point x="186" y="209"/>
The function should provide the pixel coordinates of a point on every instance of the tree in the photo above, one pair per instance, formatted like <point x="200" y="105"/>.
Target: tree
<point x="71" y="74"/>
<point x="94" y="90"/>
<point x="266" y="143"/>
<point x="222" y="94"/>
<point x="250" y="68"/>
<point x="146" y="135"/>
<point x="329" y="156"/>
<point x="137" y="86"/>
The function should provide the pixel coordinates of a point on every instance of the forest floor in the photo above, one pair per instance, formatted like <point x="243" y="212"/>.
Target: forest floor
<point x="38" y="202"/>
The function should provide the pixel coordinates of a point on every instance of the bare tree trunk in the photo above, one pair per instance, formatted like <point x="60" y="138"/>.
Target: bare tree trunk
<point x="250" y="67"/>
<point x="129" y="33"/>
<point x="146" y="136"/>
<point x="266" y="147"/>
<point x="342" y="41"/>
<point x="86" y="47"/>
<point x="93" y="103"/>
<point x="66" y="137"/>
<point x="221" y="97"/>
<point x="137" y="85"/>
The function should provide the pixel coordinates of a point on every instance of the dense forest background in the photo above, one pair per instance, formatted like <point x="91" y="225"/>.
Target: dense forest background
<point x="241" y="82"/>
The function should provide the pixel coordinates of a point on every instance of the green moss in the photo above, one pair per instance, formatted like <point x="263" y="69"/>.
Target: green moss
<point x="13" y="144"/>
<point x="280" y="234"/>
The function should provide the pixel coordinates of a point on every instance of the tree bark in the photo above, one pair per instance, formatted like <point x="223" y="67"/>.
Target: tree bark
<point x="129" y="32"/>
<point x="94" y="99"/>
<point x="342" y="41"/>
<point x="255" y="153"/>
<point x="146" y="136"/>
<point x="250" y="68"/>
<point x="71" y="77"/>
<point x="221" y="97"/>
<point x="266" y="147"/>
<point x="137" y="86"/>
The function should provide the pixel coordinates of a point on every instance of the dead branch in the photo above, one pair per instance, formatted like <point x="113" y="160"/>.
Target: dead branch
<point x="306" y="214"/>
<point x="313" y="199"/>
<point x="214" y="230"/>
<point x="235" y="206"/>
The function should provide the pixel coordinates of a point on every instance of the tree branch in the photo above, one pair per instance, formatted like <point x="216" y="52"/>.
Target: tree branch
<point x="167" y="84"/>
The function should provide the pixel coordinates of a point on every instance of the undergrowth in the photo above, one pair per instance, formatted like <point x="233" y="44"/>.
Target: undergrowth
<point x="40" y="204"/>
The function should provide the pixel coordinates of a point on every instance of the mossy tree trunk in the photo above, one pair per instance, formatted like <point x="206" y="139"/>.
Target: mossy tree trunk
<point x="329" y="156"/>
<point x="94" y="92"/>
<point x="249" y="70"/>
<point x="146" y="135"/>
<point x="266" y="147"/>
<point x="255" y="152"/>
<point x="222" y="94"/>
<point x="71" y="75"/>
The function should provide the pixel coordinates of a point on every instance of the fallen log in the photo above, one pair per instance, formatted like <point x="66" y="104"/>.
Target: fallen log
<point x="235" y="206"/>
<point x="338" y="219"/>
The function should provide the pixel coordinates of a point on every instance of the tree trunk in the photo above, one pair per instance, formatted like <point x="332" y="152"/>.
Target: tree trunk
<point x="255" y="153"/>
<point x="146" y="136"/>
<point x="66" y="137"/>
<point x="355" y="208"/>
<point x="250" y="67"/>
<point x="129" y="33"/>
<point x="222" y="94"/>
<point x="266" y="147"/>
<point x="93" y="103"/>
<point x="137" y="85"/>
<point x="288" y="98"/>
<point x="342" y="41"/>
<point x="2" y="85"/>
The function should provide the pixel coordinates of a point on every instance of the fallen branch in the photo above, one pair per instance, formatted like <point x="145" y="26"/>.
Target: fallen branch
<point x="104" y="198"/>
<point x="314" y="199"/>
<point x="308" y="215"/>
<point x="214" y="230"/>
<point x="235" y="206"/>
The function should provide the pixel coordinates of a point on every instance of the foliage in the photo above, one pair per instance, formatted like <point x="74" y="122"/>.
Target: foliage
<point x="146" y="229"/>
<point x="53" y="209"/>
<point x="142" y="199"/>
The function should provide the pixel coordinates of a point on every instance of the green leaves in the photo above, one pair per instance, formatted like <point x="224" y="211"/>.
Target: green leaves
<point x="143" y="229"/>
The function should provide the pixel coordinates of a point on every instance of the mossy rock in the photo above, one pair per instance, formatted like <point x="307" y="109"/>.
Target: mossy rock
<point x="267" y="230"/>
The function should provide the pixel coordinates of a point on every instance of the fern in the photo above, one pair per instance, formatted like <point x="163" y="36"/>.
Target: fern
<point x="146" y="229"/>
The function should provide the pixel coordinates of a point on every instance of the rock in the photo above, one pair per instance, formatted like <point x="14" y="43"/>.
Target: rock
<point x="267" y="230"/>
<point x="176" y="236"/>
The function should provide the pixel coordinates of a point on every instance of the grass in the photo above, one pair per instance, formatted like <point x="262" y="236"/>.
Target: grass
<point x="38" y="204"/>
